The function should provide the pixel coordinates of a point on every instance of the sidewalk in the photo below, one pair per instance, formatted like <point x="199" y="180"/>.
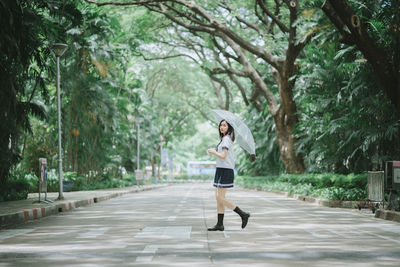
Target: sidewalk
<point x="389" y="215"/>
<point x="20" y="211"/>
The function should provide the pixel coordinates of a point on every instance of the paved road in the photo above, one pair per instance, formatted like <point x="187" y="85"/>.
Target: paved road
<point x="167" y="227"/>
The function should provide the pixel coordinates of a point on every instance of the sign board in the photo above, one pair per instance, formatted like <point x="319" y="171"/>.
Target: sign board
<point x="139" y="177"/>
<point x="396" y="172"/>
<point x="392" y="175"/>
<point x="43" y="175"/>
<point x="396" y="175"/>
<point x="164" y="156"/>
<point x="42" y="180"/>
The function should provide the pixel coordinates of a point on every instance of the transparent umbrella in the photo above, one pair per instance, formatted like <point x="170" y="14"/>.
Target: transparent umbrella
<point x="243" y="134"/>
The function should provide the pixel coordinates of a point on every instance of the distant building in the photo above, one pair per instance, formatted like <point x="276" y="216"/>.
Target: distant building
<point x="200" y="167"/>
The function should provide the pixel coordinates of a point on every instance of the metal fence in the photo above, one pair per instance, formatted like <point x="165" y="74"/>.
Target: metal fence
<point x="376" y="191"/>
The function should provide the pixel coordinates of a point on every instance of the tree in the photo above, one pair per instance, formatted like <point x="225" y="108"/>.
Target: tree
<point x="170" y="105"/>
<point x="375" y="31"/>
<point x="231" y="29"/>
<point x="347" y="122"/>
<point x="23" y="61"/>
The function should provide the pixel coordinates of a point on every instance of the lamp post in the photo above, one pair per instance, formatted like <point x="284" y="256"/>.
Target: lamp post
<point x="138" y="121"/>
<point x="58" y="50"/>
<point x="138" y="171"/>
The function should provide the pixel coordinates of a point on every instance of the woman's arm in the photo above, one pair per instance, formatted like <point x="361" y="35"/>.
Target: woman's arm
<point x="221" y="155"/>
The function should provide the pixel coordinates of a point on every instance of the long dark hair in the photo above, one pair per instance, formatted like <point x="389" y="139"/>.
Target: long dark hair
<point x="230" y="132"/>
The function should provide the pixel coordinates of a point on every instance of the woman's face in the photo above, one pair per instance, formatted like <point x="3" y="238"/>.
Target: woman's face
<point x="223" y="128"/>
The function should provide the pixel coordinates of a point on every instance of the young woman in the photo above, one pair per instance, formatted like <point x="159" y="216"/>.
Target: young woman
<point x="224" y="175"/>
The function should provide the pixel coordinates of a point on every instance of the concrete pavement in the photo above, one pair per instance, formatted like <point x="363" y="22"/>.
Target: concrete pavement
<point x="389" y="215"/>
<point x="16" y="212"/>
<point x="167" y="227"/>
<point x="20" y="211"/>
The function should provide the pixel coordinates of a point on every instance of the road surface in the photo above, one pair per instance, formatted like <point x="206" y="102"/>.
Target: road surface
<point x="167" y="227"/>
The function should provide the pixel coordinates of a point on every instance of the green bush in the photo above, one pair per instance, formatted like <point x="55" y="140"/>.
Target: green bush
<point x="80" y="183"/>
<point x="32" y="180"/>
<point x="17" y="187"/>
<point x="328" y="186"/>
<point x="103" y="182"/>
<point x="21" y="183"/>
<point x="194" y="177"/>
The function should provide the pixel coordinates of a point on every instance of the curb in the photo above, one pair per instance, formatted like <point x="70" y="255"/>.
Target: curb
<point x="22" y="216"/>
<point x="388" y="215"/>
<point x="319" y="201"/>
<point x="381" y="214"/>
<point x="324" y="202"/>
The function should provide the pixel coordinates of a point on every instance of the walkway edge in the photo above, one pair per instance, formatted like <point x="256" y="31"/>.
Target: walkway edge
<point x="24" y="215"/>
<point x="388" y="215"/>
<point x="324" y="202"/>
<point x="380" y="213"/>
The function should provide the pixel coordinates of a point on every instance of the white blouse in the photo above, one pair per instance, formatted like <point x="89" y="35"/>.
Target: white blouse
<point x="229" y="161"/>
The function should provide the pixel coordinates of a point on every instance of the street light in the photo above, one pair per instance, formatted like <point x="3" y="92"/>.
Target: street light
<point x="138" y="121"/>
<point x="138" y="171"/>
<point x="58" y="50"/>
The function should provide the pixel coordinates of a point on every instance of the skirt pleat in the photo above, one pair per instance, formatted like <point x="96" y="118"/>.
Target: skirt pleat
<point x="223" y="178"/>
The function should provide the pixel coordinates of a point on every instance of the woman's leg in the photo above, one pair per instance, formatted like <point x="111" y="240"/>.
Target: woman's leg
<point x="220" y="196"/>
<point x="221" y="210"/>
<point x="220" y="204"/>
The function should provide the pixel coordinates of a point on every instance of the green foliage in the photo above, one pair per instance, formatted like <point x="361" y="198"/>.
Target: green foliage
<point x="21" y="45"/>
<point x="267" y="150"/>
<point x="316" y="180"/>
<point x="80" y="183"/>
<point x="328" y="186"/>
<point x="201" y="177"/>
<point x="16" y="188"/>
<point x="103" y="183"/>
<point x="346" y="121"/>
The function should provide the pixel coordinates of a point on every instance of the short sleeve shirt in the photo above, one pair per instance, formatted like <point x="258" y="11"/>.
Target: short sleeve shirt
<point x="229" y="161"/>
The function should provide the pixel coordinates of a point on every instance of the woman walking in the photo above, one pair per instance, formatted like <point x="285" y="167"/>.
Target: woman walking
<point x="224" y="175"/>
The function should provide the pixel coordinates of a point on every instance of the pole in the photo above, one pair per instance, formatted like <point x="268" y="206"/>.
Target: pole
<point x="138" y="146"/>
<point x="60" y="172"/>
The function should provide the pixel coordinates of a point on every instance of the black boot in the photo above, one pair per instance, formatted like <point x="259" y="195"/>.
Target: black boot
<point x="220" y="224"/>
<point x="244" y="215"/>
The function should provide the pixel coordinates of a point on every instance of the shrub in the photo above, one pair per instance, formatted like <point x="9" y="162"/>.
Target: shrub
<point x="186" y="177"/>
<point x="327" y="185"/>
<point x="16" y="188"/>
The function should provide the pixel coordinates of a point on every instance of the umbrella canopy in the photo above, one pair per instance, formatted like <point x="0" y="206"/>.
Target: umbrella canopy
<point x="242" y="133"/>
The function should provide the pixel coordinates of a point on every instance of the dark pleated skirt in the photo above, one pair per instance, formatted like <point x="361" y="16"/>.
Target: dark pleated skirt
<point x="223" y="178"/>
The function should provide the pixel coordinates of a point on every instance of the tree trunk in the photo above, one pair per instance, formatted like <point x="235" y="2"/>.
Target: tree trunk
<point x="69" y="148"/>
<point x="76" y="146"/>
<point x="284" y="130"/>
<point x="154" y="159"/>
<point x="286" y="119"/>
<point x="153" y="169"/>
<point x="159" y="170"/>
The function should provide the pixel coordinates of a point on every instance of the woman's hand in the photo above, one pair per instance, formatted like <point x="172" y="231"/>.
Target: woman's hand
<point x="221" y="155"/>
<point x="211" y="151"/>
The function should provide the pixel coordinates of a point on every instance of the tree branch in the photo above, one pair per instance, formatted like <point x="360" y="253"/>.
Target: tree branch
<point x="164" y="137"/>
<point x="167" y="57"/>
<point x="130" y="3"/>
<point x="223" y="84"/>
<point x="254" y="77"/>
<point x="377" y="57"/>
<point x="329" y="11"/>
<point x="272" y="16"/>
<point x="241" y="88"/>
<point x="251" y="25"/>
